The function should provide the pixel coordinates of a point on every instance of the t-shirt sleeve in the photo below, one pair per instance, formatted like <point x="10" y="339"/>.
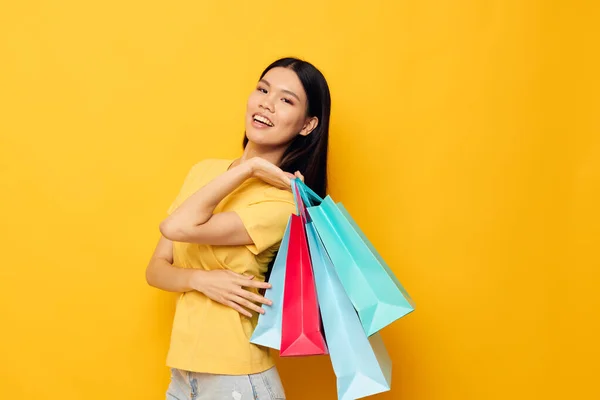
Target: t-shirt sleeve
<point x="184" y="191"/>
<point x="265" y="219"/>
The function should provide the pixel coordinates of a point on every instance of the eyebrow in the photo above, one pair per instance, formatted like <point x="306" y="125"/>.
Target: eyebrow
<point x="266" y="82"/>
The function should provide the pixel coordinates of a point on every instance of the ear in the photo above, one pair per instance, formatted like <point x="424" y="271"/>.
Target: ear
<point x="309" y="125"/>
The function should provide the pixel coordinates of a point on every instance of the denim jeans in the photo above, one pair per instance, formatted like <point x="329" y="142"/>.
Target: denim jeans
<point x="187" y="385"/>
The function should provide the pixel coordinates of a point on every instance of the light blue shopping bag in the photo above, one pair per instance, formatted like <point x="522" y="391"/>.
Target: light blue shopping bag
<point x="268" y="329"/>
<point x="362" y="365"/>
<point x="374" y="290"/>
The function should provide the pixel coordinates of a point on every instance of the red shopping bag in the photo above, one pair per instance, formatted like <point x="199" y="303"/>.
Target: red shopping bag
<point x="301" y="329"/>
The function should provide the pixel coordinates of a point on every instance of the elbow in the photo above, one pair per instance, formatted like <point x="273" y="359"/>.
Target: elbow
<point x="149" y="277"/>
<point x="169" y="230"/>
<point x="150" y="274"/>
<point x="175" y="231"/>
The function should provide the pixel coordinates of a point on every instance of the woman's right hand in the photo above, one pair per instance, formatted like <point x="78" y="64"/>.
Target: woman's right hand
<point x="228" y="288"/>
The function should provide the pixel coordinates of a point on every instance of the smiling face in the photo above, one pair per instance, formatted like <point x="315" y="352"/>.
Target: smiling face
<point x="276" y="111"/>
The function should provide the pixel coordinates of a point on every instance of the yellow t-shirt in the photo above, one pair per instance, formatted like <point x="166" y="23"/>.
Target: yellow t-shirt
<point x="207" y="336"/>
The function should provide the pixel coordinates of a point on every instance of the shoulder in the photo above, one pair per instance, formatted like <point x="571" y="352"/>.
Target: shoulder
<point x="273" y="193"/>
<point x="202" y="172"/>
<point x="207" y="166"/>
<point x="265" y="211"/>
<point x="210" y="163"/>
<point x="258" y="191"/>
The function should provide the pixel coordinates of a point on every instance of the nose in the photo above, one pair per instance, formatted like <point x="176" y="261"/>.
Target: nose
<point x="267" y="103"/>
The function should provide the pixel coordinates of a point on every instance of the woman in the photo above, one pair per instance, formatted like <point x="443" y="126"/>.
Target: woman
<point x="223" y="231"/>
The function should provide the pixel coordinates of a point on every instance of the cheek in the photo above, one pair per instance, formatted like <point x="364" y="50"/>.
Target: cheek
<point x="293" y="119"/>
<point x="252" y="101"/>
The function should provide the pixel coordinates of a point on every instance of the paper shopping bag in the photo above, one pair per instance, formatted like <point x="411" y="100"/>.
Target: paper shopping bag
<point x="361" y="364"/>
<point x="376" y="293"/>
<point x="268" y="329"/>
<point x="301" y="332"/>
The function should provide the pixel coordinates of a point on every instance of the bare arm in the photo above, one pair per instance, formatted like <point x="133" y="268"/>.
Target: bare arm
<point x="223" y="286"/>
<point x="194" y="222"/>
<point x="162" y="274"/>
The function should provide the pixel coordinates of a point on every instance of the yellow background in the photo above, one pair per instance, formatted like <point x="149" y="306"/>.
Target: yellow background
<point x="465" y="142"/>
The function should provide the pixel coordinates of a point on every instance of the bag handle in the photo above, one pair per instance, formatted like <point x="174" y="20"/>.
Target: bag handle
<point x="298" y="200"/>
<point x="307" y="193"/>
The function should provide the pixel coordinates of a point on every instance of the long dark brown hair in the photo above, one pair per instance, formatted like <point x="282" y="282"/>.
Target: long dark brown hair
<point x="308" y="154"/>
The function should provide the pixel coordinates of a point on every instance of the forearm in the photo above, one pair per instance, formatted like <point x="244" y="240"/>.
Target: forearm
<point x="199" y="207"/>
<point x="163" y="275"/>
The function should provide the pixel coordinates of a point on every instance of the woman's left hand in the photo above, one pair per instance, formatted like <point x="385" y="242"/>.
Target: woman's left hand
<point x="272" y="174"/>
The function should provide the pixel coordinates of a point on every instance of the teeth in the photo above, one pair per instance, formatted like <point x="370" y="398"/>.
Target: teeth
<point x="263" y="120"/>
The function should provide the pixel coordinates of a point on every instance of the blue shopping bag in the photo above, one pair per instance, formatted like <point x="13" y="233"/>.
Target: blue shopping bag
<point x="268" y="329"/>
<point x="361" y="364"/>
<point x="374" y="290"/>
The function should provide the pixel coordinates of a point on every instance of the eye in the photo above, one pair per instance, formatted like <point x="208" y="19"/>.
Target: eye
<point x="287" y="101"/>
<point x="262" y="90"/>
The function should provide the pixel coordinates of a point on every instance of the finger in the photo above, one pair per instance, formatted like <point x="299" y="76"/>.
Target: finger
<point x="243" y="276"/>
<point x="238" y="308"/>
<point x="254" y="297"/>
<point x="250" y="282"/>
<point x="256" y="284"/>
<point x="287" y="180"/>
<point x="247" y="304"/>
<point x="299" y="175"/>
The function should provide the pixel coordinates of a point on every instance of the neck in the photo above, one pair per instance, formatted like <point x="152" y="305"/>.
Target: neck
<point x="271" y="154"/>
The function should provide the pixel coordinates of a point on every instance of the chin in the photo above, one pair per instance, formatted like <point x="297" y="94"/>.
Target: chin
<point x="255" y="137"/>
